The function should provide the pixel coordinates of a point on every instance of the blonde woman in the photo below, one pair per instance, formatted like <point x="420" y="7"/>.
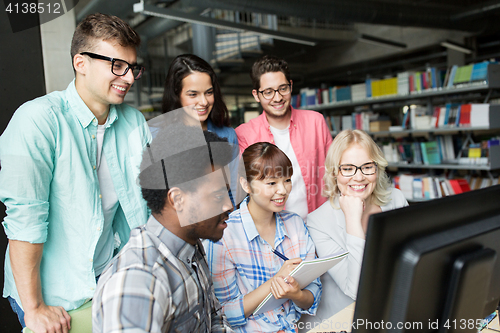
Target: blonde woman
<point x="357" y="186"/>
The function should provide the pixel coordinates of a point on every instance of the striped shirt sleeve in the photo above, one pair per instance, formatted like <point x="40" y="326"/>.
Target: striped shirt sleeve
<point x="225" y="284"/>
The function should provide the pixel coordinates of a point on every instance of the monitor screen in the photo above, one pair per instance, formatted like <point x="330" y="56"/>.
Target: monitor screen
<point x="433" y="266"/>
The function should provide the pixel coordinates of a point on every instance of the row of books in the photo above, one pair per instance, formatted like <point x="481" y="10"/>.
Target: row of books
<point x="448" y="116"/>
<point x="367" y="121"/>
<point x="422" y="187"/>
<point x="404" y="83"/>
<point x="445" y="149"/>
<point x="420" y="152"/>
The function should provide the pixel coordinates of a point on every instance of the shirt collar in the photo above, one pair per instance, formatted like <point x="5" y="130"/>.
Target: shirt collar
<point x="82" y="111"/>
<point x="210" y="125"/>
<point x="112" y="115"/>
<point x="178" y="247"/>
<point x="292" y="118"/>
<point x="280" y="230"/>
<point x="247" y="221"/>
<point x="251" y="230"/>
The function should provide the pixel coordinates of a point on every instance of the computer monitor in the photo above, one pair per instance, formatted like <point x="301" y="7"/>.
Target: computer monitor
<point x="431" y="267"/>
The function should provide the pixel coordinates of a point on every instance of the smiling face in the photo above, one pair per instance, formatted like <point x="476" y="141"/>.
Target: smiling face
<point x="197" y="96"/>
<point x="358" y="185"/>
<point x="268" y="195"/>
<point x="96" y="84"/>
<point x="278" y="106"/>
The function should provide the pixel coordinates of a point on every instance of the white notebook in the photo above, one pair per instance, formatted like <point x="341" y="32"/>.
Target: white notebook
<point x="305" y="272"/>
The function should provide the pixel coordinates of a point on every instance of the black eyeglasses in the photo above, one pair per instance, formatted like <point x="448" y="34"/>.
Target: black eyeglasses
<point x="269" y="93"/>
<point x="119" y="67"/>
<point x="349" y="170"/>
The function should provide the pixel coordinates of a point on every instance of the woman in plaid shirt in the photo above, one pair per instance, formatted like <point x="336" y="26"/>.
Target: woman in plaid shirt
<point x="244" y="268"/>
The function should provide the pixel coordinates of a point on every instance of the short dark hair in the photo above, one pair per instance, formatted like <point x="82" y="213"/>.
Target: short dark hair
<point x="267" y="64"/>
<point x="263" y="159"/>
<point x="97" y="27"/>
<point x="171" y="161"/>
<point x="181" y="67"/>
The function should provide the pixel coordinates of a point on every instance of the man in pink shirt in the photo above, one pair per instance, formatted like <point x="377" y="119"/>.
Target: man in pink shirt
<point x="303" y="135"/>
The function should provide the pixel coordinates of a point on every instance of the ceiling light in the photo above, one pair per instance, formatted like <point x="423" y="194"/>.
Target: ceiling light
<point x="457" y="47"/>
<point x="381" y="42"/>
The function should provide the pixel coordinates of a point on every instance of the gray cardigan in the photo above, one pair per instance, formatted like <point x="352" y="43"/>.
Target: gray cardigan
<point x="328" y="230"/>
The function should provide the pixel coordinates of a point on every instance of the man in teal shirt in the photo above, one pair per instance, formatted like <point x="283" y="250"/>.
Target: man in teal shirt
<point x="69" y="164"/>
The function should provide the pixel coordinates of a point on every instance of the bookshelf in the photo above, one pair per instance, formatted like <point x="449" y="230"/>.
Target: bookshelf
<point x="463" y="93"/>
<point x="432" y="130"/>
<point x="491" y="80"/>
<point x="474" y="87"/>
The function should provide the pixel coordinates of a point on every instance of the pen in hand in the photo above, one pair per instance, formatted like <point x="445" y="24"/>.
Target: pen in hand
<point x="279" y="255"/>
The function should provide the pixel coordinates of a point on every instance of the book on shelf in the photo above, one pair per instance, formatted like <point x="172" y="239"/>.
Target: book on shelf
<point x="419" y="117"/>
<point x="449" y="116"/>
<point x="403" y="83"/>
<point x="380" y="125"/>
<point x="459" y="185"/>
<point x="363" y="120"/>
<point x="311" y="97"/>
<point x="346" y="122"/>
<point x="451" y="78"/>
<point x="439" y="151"/>
<point x="332" y="94"/>
<point x="425" y="187"/>
<point x="295" y="101"/>
<point x="417" y="79"/>
<point x="442" y="116"/>
<point x="437" y="187"/>
<point x="406" y="119"/>
<point x="463" y="74"/>
<point x="329" y="123"/>
<point x="325" y="98"/>
<point x="368" y="83"/>
<point x="464" y="120"/>
<point x="435" y="117"/>
<point x="336" y="123"/>
<point x="479" y="115"/>
<point x="480" y="71"/>
<point x="430" y="152"/>
<point x="418" y="188"/>
<point x="479" y="153"/>
<point x="303" y="97"/>
<point x="358" y="92"/>
<point x="446" y="77"/>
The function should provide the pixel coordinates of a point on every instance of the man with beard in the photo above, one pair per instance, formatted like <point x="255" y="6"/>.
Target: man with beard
<point x="302" y="135"/>
<point x="160" y="281"/>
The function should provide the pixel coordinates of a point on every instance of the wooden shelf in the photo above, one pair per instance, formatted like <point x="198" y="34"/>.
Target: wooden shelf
<point x="393" y="98"/>
<point x="493" y="82"/>
<point x="444" y="166"/>
<point x="432" y="130"/>
<point x="493" y="164"/>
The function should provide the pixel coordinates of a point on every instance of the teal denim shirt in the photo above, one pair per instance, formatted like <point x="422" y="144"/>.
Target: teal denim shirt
<point x="49" y="184"/>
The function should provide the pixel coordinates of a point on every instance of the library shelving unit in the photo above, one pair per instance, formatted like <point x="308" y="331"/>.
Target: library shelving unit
<point x="472" y="91"/>
<point x="492" y="82"/>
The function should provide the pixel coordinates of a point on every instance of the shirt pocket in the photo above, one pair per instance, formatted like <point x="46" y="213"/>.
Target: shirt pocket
<point x="192" y="321"/>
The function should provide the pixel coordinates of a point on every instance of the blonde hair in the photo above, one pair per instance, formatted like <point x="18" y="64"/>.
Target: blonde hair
<point x="343" y="141"/>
